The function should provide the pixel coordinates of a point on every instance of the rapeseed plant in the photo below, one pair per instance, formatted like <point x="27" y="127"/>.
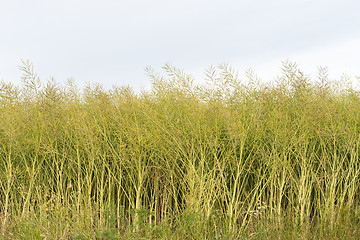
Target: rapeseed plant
<point x="227" y="159"/>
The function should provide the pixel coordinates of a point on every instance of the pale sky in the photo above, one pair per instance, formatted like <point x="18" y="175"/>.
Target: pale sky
<point x="111" y="42"/>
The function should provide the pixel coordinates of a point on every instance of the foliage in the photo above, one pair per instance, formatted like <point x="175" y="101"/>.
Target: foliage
<point x="227" y="159"/>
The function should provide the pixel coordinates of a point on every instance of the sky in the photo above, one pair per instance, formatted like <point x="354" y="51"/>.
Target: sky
<point x="112" y="41"/>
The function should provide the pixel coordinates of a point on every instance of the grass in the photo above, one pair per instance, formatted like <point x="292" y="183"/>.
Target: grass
<point x="230" y="159"/>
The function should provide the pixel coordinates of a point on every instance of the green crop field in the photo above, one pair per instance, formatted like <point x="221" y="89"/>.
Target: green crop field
<point x="232" y="158"/>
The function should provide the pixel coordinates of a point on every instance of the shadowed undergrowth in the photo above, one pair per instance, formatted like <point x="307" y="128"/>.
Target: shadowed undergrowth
<point x="229" y="159"/>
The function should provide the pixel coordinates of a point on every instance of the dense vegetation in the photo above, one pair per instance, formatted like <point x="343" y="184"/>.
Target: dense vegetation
<point x="229" y="159"/>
